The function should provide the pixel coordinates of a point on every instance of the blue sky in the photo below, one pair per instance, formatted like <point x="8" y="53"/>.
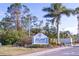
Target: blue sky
<point x="67" y="23"/>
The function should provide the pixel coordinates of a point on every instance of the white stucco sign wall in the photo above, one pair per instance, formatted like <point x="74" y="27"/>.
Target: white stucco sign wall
<point x="40" y="38"/>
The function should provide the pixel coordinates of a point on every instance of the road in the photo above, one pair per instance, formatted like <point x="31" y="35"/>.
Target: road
<point x="73" y="51"/>
<point x="61" y="51"/>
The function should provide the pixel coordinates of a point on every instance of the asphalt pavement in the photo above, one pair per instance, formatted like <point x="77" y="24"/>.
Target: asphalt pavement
<point x="61" y="51"/>
<point x="73" y="51"/>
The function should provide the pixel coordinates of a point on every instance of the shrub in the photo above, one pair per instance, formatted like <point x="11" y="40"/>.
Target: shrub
<point x="23" y="42"/>
<point x="11" y="37"/>
<point x="38" y="46"/>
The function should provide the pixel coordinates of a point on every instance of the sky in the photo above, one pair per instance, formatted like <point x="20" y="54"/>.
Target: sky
<point x="66" y="23"/>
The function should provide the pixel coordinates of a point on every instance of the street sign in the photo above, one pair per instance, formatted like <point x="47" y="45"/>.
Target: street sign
<point x="40" y="38"/>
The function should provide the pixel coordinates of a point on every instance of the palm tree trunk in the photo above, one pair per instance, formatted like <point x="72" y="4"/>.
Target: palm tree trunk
<point x="78" y="27"/>
<point x="58" y="34"/>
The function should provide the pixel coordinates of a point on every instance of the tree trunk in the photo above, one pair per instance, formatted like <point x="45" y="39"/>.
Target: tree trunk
<point x="78" y="28"/>
<point x="58" y="34"/>
<point x="29" y="26"/>
<point x="17" y="22"/>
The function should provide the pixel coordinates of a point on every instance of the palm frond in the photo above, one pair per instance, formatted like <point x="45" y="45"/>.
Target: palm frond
<point x="76" y="11"/>
<point x="53" y="20"/>
<point x="56" y="6"/>
<point x="50" y="15"/>
<point x="48" y="9"/>
<point x="66" y="12"/>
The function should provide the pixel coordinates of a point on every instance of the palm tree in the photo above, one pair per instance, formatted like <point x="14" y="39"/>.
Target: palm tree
<point x="55" y="11"/>
<point x="76" y="12"/>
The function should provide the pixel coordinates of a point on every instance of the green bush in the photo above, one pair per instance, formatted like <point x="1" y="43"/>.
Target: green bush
<point x="53" y="43"/>
<point x="38" y="46"/>
<point x="10" y="37"/>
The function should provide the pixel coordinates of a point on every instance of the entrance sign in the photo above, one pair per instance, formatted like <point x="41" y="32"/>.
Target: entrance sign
<point x="66" y="41"/>
<point x="40" y="38"/>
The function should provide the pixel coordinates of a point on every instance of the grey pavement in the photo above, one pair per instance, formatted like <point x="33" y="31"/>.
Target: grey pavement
<point x="61" y="51"/>
<point x="73" y="51"/>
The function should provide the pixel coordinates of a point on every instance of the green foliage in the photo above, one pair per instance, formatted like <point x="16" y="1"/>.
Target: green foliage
<point x="15" y="11"/>
<point x="65" y="34"/>
<point x="52" y="35"/>
<point x="55" y="11"/>
<point x="55" y="44"/>
<point x="35" y="30"/>
<point x="38" y="46"/>
<point x="10" y="37"/>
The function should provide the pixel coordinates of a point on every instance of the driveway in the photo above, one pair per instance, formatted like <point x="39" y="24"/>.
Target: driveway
<point x="61" y="51"/>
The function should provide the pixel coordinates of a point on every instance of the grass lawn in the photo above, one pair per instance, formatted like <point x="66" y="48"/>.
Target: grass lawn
<point x="13" y="51"/>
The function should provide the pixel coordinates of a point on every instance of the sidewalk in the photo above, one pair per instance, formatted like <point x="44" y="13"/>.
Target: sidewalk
<point x="46" y="51"/>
